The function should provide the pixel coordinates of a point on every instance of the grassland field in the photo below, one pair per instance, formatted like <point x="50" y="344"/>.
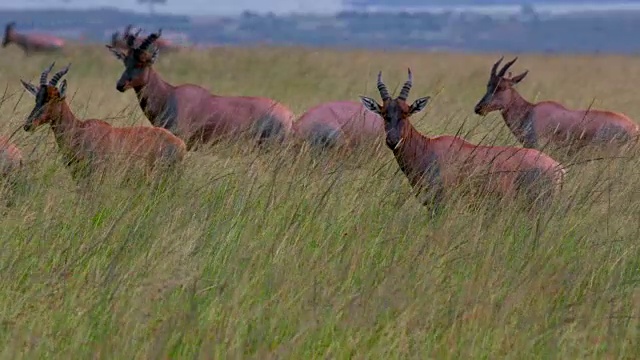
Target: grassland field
<point x="281" y="254"/>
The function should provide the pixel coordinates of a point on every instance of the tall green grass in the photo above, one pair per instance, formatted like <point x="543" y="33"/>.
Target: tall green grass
<point x="282" y="254"/>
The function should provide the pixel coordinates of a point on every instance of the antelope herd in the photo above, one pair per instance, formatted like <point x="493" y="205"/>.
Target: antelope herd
<point x="187" y="116"/>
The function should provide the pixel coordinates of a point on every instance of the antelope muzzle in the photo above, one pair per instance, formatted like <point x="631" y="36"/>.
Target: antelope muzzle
<point x="122" y="85"/>
<point x="481" y="107"/>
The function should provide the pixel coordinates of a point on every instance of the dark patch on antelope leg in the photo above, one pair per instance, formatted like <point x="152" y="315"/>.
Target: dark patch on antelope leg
<point x="434" y="201"/>
<point x="269" y="127"/>
<point x="535" y="186"/>
<point x="433" y="188"/>
<point x="612" y="134"/>
<point x="323" y="137"/>
<point x="528" y="136"/>
<point x="168" y="118"/>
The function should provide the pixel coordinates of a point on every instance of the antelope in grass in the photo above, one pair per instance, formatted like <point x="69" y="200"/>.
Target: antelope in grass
<point x="548" y="122"/>
<point x="436" y="165"/>
<point x="88" y="145"/>
<point x="11" y="163"/>
<point x="10" y="158"/>
<point x="31" y="43"/>
<point x="190" y="111"/>
<point x="11" y="166"/>
<point x="119" y="41"/>
<point x="338" y="123"/>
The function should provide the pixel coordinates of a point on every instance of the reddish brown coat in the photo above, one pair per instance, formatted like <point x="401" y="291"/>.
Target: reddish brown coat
<point x="88" y="145"/>
<point x="192" y="112"/>
<point x="548" y="122"/>
<point x="435" y="165"/>
<point x="10" y="158"/>
<point x="31" y="43"/>
<point x="339" y="123"/>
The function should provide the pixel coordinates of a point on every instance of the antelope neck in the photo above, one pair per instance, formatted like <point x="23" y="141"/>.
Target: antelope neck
<point x="410" y="153"/>
<point x="153" y="96"/>
<point x="517" y="111"/>
<point x="63" y="124"/>
<point x="408" y="137"/>
<point x="64" y="121"/>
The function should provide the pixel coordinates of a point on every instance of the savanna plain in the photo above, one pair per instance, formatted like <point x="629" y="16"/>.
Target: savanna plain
<point x="283" y="253"/>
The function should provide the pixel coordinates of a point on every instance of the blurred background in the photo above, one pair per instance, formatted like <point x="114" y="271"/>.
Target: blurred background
<point x="453" y="25"/>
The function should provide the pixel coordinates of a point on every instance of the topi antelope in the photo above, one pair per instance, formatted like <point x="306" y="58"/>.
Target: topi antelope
<point x="10" y="158"/>
<point x="436" y="165"/>
<point x="119" y="41"/>
<point x="548" y="122"/>
<point x="338" y="123"/>
<point x="190" y="111"/>
<point x="88" y="145"/>
<point x="31" y="43"/>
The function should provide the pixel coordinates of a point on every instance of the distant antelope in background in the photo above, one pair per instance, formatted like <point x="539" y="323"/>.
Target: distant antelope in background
<point x="119" y="41"/>
<point x="548" y="122"/>
<point x="190" y="111"/>
<point x="436" y="165"/>
<point x="87" y="146"/>
<point x="31" y="43"/>
<point x="338" y="123"/>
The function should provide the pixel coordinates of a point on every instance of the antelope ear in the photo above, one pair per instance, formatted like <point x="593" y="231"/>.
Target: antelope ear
<point x="419" y="105"/>
<point x="30" y="87"/>
<point x="371" y="105"/>
<point x="516" y="79"/>
<point x="63" y="89"/>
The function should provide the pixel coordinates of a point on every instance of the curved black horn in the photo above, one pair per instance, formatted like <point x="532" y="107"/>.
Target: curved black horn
<point x="114" y="38"/>
<point x="7" y="32"/>
<point x="507" y="66"/>
<point x="382" y="88"/>
<point x="404" y="93"/>
<point x="149" y="40"/>
<point x="130" y="39"/>
<point x="45" y="74"/>
<point x="127" y="29"/>
<point x="59" y="75"/>
<point x="494" y="68"/>
<point x="9" y="27"/>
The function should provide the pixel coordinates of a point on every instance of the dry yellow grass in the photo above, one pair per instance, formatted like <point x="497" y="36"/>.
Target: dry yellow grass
<point x="280" y="255"/>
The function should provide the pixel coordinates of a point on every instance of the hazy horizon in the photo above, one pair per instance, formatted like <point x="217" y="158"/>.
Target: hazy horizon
<point x="187" y="7"/>
<point x="219" y="7"/>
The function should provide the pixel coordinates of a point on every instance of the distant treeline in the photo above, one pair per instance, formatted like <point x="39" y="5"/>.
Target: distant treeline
<point x="606" y="32"/>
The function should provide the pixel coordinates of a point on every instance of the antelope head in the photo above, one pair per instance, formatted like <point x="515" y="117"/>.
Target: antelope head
<point x="7" y="33"/>
<point x="500" y="88"/>
<point x="137" y="60"/>
<point x="49" y="96"/>
<point x="395" y="112"/>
